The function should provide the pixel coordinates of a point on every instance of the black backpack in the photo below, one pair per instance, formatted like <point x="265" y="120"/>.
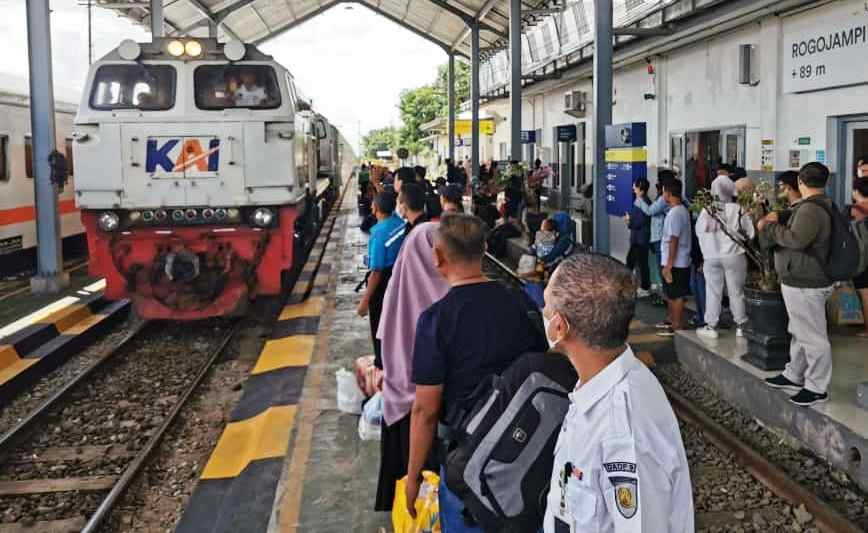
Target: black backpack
<point x="505" y="442"/>
<point x="842" y="263"/>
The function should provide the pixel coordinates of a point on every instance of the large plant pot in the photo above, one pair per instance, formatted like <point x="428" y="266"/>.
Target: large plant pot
<point x="767" y="338"/>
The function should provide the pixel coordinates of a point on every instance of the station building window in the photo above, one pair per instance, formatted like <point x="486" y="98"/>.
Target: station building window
<point x="144" y="87"/>
<point x="4" y="158"/>
<point x="236" y="86"/>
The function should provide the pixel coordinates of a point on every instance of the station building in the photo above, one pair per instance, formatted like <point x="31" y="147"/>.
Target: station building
<point x="765" y="85"/>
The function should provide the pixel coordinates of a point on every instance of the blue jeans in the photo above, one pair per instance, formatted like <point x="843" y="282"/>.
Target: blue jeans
<point x="451" y="520"/>
<point x="697" y="287"/>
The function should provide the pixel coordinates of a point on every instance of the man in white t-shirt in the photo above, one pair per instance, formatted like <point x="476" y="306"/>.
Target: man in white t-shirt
<point x="675" y="248"/>
<point x="250" y="94"/>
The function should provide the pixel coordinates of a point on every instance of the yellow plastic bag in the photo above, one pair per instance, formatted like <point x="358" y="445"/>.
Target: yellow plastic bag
<point x="427" y="506"/>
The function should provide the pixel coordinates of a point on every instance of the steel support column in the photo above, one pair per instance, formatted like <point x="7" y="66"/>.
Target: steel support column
<point x="50" y="277"/>
<point x="451" y="89"/>
<point x="603" y="51"/>
<point x="157" y="18"/>
<point x="515" y="80"/>
<point x="474" y="99"/>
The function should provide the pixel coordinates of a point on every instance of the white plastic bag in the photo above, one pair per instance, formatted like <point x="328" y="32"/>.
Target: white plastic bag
<point x="526" y="265"/>
<point x="350" y="396"/>
<point x="371" y="421"/>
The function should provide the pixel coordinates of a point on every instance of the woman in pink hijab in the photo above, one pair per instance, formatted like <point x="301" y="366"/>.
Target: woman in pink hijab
<point x="414" y="286"/>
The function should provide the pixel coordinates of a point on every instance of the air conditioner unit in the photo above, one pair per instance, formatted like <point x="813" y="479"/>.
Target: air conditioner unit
<point x="576" y="103"/>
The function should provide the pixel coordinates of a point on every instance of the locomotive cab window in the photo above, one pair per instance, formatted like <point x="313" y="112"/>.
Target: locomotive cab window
<point x="144" y="87"/>
<point x="28" y="156"/>
<point x="67" y="151"/>
<point x="236" y="86"/>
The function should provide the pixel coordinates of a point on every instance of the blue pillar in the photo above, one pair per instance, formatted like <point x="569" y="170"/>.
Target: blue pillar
<point x="50" y="277"/>
<point x="515" y="79"/>
<point x="451" y="90"/>
<point x="474" y="97"/>
<point x="603" y="52"/>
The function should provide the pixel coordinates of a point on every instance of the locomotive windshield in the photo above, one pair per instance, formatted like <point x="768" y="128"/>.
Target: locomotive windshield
<point x="140" y="86"/>
<point x="236" y="86"/>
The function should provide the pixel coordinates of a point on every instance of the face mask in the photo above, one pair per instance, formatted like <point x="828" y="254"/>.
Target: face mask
<point x="546" y="323"/>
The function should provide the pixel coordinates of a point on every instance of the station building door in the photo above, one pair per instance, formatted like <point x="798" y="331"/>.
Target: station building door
<point x="856" y="148"/>
<point x="696" y="155"/>
<point x="570" y="170"/>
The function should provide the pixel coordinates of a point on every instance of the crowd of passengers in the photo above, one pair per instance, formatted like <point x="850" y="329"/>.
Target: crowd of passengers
<point x="440" y="326"/>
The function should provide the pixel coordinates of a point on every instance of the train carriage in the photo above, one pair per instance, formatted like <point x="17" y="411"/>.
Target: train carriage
<point x="198" y="175"/>
<point x="17" y="209"/>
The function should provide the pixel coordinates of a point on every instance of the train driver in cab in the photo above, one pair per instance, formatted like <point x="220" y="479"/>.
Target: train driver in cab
<point x="250" y="93"/>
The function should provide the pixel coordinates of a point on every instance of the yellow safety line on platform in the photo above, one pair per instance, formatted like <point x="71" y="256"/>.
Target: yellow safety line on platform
<point x="295" y="350"/>
<point x="288" y="505"/>
<point x="67" y="317"/>
<point x="83" y="325"/>
<point x="263" y="436"/>
<point x="310" y="307"/>
<point x="16" y="368"/>
<point x="8" y="355"/>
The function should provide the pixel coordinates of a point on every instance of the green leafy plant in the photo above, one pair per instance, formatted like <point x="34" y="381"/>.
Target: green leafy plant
<point x="755" y="203"/>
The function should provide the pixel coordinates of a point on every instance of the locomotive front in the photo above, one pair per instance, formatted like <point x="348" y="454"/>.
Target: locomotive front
<point x="192" y="166"/>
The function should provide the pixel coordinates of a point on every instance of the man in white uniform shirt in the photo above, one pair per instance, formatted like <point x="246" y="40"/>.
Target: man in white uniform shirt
<point x="619" y="462"/>
<point x="249" y="94"/>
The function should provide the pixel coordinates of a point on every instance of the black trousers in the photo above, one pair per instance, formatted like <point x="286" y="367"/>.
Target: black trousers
<point x="375" y="310"/>
<point x="638" y="255"/>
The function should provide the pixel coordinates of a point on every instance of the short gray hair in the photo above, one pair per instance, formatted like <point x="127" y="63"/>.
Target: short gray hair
<point x="596" y="294"/>
<point x="463" y="237"/>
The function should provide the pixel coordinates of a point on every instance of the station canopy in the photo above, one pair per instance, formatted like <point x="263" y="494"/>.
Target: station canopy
<point x="554" y="31"/>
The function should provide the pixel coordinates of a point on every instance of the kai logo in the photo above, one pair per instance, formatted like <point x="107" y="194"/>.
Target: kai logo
<point x="191" y="155"/>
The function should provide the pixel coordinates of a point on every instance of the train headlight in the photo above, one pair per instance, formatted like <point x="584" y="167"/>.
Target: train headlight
<point x="193" y="48"/>
<point x="175" y="48"/>
<point x="263" y="217"/>
<point x="108" y="221"/>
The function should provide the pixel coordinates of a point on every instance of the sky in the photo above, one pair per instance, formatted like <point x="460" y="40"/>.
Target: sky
<point x="351" y="62"/>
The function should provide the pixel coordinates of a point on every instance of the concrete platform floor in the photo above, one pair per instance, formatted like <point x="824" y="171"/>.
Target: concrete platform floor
<point x="329" y="482"/>
<point x="835" y="430"/>
<point x="18" y="301"/>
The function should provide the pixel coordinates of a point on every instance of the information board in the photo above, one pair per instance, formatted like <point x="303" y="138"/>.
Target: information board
<point x="825" y="52"/>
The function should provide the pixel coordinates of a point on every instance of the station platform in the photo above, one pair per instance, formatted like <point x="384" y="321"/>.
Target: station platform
<point x="288" y="459"/>
<point x="836" y="430"/>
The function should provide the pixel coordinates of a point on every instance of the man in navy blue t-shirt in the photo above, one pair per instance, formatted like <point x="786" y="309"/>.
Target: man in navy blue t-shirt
<point x="478" y="329"/>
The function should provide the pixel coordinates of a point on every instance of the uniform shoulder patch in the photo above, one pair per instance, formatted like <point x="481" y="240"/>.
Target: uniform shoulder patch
<point x="620" y="466"/>
<point x="626" y="495"/>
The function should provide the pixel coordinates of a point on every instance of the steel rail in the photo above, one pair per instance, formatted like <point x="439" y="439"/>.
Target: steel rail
<point x="826" y="517"/>
<point x="133" y="468"/>
<point x="8" y="439"/>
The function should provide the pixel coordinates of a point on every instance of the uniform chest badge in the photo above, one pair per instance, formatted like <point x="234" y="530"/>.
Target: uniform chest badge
<point x="626" y="495"/>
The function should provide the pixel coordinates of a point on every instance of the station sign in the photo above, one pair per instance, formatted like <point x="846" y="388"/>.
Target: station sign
<point x="630" y="135"/>
<point x="464" y="127"/>
<point x="566" y="134"/>
<point x="825" y="52"/>
<point x="623" y="167"/>
<point x="528" y="137"/>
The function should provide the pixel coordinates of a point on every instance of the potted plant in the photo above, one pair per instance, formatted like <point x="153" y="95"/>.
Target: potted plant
<point x="766" y="330"/>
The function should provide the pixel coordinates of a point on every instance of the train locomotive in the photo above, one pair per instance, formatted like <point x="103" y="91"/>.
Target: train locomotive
<point x="202" y="175"/>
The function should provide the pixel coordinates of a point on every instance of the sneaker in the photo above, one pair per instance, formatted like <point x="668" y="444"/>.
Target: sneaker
<point x="668" y="332"/>
<point x="805" y="398"/>
<point x="739" y="331"/>
<point x="780" y="382"/>
<point x="663" y="325"/>
<point x="707" y="331"/>
<point x="642" y="293"/>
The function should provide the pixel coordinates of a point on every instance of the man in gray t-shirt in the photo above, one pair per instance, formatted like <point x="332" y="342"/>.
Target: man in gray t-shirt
<point x="675" y="246"/>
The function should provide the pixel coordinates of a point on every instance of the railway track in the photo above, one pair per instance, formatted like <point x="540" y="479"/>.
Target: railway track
<point x="64" y="466"/>
<point x="735" y="487"/>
